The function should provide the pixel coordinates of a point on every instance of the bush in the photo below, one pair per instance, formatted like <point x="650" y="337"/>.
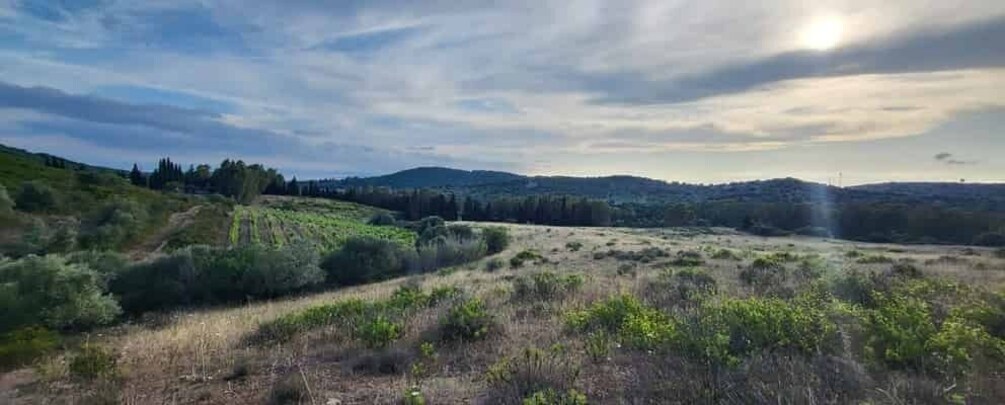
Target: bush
<point x="545" y="286"/>
<point x="574" y="246"/>
<point x="113" y="224"/>
<point x="24" y="345"/>
<point x="466" y="320"/>
<point x="35" y="196"/>
<point x="107" y="264"/>
<point x="51" y="292"/>
<point x="525" y="256"/>
<point x="494" y="264"/>
<point x="203" y="275"/>
<point x="381" y="219"/>
<point x="496" y="239"/>
<point x="364" y="259"/>
<point x="290" y="389"/>
<point x="535" y="376"/>
<point x="725" y="254"/>
<point x="687" y="258"/>
<point x="735" y="328"/>
<point x="461" y="231"/>
<point x="684" y="287"/>
<point x="626" y="318"/>
<point x="93" y="362"/>
<point x="445" y="252"/>
<point x="379" y="332"/>
<point x="764" y="272"/>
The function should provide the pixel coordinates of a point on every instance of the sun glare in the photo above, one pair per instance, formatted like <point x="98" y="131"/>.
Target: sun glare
<point x="823" y="34"/>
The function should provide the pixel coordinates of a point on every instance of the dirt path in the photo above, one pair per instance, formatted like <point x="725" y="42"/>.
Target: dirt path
<point x="156" y="243"/>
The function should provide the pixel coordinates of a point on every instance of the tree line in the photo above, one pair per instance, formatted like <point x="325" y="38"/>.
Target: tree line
<point x="233" y="178"/>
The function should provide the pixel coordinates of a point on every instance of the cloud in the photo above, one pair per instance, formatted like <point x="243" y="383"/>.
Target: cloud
<point x="948" y="158"/>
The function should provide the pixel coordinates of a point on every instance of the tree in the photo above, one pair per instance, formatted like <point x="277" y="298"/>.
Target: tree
<point x="136" y="177"/>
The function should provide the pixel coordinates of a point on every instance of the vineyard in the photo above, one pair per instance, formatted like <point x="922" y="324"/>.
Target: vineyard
<point x="327" y="224"/>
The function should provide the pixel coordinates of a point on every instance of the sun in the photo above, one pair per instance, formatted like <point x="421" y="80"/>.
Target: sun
<point x="823" y="33"/>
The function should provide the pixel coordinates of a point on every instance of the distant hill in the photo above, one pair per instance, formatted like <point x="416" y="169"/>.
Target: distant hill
<point x="432" y="177"/>
<point x="46" y="159"/>
<point x="632" y="189"/>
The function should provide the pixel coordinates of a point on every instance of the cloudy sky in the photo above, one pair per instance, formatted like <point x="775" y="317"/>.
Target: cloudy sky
<point x="697" y="91"/>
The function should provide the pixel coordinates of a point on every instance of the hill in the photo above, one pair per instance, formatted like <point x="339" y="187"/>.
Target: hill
<point x="633" y="189"/>
<point x="430" y="177"/>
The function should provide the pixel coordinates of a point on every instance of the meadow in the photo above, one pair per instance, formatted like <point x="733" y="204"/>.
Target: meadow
<point x="583" y="315"/>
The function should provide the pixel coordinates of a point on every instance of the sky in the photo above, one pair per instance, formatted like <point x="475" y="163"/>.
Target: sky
<point x="695" y="91"/>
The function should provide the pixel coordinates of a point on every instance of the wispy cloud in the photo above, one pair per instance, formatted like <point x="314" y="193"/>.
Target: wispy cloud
<point x="512" y="84"/>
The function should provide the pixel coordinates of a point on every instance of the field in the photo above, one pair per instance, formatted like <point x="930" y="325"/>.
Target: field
<point x="205" y="356"/>
<point x="277" y="221"/>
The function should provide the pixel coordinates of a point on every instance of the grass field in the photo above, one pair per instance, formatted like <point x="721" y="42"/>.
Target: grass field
<point x="204" y="356"/>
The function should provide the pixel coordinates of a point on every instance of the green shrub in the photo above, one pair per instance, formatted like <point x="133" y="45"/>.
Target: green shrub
<point x="364" y="259"/>
<point x="22" y="346"/>
<point x="445" y="252"/>
<point x="574" y="246"/>
<point x="627" y="318"/>
<point x="494" y="264"/>
<point x="532" y="374"/>
<point x="36" y="196"/>
<point x="496" y="239"/>
<point x="552" y="397"/>
<point x="92" y="362"/>
<point x="49" y="291"/>
<point x="466" y="320"/>
<point x="725" y="254"/>
<point x="203" y="275"/>
<point x="732" y="329"/>
<point x="461" y="231"/>
<point x="525" y="256"/>
<point x="413" y="396"/>
<point x="687" y="258"/>
<point x="379" y="332"/>
<point x="381" y="219"/>
<point x="682" y="287"/>
<point x="113" y="224"/>
<point x="545" y="286"/>
<point x="764" y="273"/>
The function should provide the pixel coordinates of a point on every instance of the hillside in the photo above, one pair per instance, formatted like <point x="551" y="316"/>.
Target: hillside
<point x="632" y="189"/>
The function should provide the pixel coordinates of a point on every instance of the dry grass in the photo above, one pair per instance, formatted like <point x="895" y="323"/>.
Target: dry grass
<point x="200" y="356"/>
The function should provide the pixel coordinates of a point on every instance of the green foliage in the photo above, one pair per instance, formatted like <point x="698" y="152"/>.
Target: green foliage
<point x="551" y="397"/>
<point x="525" y="256"/>
<point x="203" y="275"/>
<point x="114" y="224"/>
<point x="535" y="375"/>
<point x="627" y="318"/>
<point x="379" y="332"/>
<point x="727" y="331"/>
<point x="764" y="273"/>
<point x="49" y="291"/>
<point x="687" y="258"/>
<point x="904" y="330"/>
<point x="494" y="264"/>
<point x="874" y="259"/>
<point x="496" y="239"/>
<point x="725" y="254"/>
<point x="413" y="396"/>
<point x="574" y="246"/>
<point x="92" y="362"/>
<point x="35" y="196"/>
<point x="21" y="346"/>
<point x="466" y="320"/>
<point x="445" y="251"/>
<point x="365" y="259"/>
<point x="681" y="287"/>
<point x="381" y="219"/>
<point x="545" y="286"/>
